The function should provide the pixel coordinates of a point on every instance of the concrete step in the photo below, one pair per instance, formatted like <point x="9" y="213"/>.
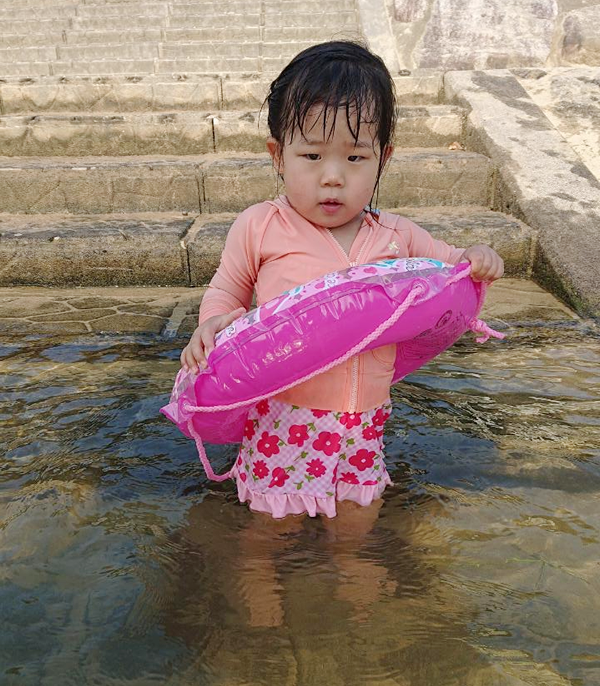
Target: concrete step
<point x="130" y="50"/>
<point x="114" y="23"/>
<point x="315" y="7"/>
<point x="308" y="33"/>
<point x="173" y="311"/>
<point x="36" y="54"/>
<point x="156" y="93"/>
<point x="125" y="11"/>
<point x="37" y="13"/>
<point x="27" y="70"/>
<point x="341" y="20"/>
<point x="185" y="133"/>
<point x="287" y="50"/>
<point x="96" y="185"/>
<point x="210" y="65"/>
<point x="203" y="21"/>
<point x="24" y="27"/>
<point x="123" y="35"/>
<point x="200" y="51"/>
<point x="30" y="40"/>
<point x="170" y="249"/>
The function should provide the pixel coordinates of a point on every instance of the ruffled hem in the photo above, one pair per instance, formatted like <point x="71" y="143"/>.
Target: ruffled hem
<point x="280" y="505"/>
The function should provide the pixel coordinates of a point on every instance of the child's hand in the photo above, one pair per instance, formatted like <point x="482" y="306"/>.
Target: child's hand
<point x="486" y="264"/>
<point x="203" y="340"/>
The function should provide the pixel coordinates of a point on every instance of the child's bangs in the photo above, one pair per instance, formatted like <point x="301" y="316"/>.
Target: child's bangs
<point x="325" y="96"/>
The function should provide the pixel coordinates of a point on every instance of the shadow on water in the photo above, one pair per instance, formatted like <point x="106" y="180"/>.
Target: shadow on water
<point x="121" y="564"/>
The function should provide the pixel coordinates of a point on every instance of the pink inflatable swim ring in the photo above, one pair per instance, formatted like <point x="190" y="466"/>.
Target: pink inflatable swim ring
<point x="420" y="304"/>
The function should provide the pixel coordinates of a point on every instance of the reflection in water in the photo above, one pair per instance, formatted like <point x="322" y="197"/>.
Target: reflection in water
<point x="121" y="564"/>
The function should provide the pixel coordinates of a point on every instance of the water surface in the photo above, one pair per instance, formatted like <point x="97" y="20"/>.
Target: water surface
<point x="121" y="564"/>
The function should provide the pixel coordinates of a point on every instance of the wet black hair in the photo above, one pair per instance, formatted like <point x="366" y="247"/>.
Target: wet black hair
<point x="334" y="75"/>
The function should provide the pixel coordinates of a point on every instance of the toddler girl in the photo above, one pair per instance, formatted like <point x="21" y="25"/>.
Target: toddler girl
<point x="331" y="119"/>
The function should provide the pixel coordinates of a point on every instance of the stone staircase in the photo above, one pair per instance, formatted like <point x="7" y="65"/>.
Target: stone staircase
<point x="129" y="143"/>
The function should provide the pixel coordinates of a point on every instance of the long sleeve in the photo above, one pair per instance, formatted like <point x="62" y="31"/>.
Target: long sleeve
<point x="232" y="285"/>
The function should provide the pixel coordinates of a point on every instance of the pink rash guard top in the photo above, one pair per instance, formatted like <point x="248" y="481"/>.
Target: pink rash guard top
<point x="270" y="248"/>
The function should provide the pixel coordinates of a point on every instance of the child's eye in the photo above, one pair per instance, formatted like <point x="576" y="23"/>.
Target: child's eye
<point x="313" y="156"/>
<point x="355" y="158"/>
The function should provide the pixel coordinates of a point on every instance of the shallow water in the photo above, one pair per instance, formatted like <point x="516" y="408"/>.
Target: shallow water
<point x="121" y="564"/>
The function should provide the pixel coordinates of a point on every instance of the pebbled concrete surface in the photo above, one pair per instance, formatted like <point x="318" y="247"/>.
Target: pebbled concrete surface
<point x="570" y="98"/>
<point x="541" y="180"/>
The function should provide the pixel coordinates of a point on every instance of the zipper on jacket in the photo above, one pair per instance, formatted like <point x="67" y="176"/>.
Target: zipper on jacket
<point x="355" y="362"/>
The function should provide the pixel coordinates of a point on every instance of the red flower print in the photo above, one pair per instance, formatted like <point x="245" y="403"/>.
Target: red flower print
<point x="239" y="461"/>
<point x="350" y="419"/>
<point x="260" y="469"/>
<point x="262" y="407"/>
<point x="243" y="476"/>
<point x="363" y="459"/>
<point x="371" y="433"/>
<point x="327" y="443"/>
<point x="320" y="413"/>
<point x="268" y="445"/>
<point x="298" y="434"/>
<point x="315" y="467"/>
<point x="349" y="478"/>
<point x="334" y="477"/>
<point x="279" y="477"/>
<point x="380" y="417"/>
<point x="369" y="483"/>
<point x="249" y="429"/>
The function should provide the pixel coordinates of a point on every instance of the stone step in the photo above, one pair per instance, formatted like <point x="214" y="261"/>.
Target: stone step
<point x="287" y="50"/>
<point x="203" y="21"/>
<point x="30" y="40"/>
<point x="37" y="13"/>
<point x="24" y="27"/>
<point x="130" y="50"/>
<point x="185" y="133"/>
<point x="211" y="65"/>
<point x="96" y="185"/>
<point x="154" y="93"/>
<point x="200" y="51"/>
<point x="136" y="67"/>
<point x="113" y="23"/>
<point x="142" y="9"/>
<point x="111" y="41"/>
<point x="34" y="4"/>
<point x="309" y="33"/>
<point x="173" y="311"/>
<point x="26" y="70"/>
<point x="170" y="249"/>
<point x="36" y="54"/>
<point x="206" y="35"/>
<point x="341" y="20"/>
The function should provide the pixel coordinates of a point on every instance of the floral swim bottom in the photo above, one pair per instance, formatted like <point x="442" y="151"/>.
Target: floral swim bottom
<point x="295" y="460"/>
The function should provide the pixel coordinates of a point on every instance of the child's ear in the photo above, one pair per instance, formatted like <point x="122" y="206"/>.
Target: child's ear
<point x="275" y="151"/>
<point x="387" y="153"/>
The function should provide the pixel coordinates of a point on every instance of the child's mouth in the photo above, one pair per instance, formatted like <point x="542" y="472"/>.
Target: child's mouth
<point x="331" y="206"/>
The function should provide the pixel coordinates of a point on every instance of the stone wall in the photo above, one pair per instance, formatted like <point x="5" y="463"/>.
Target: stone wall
<point x="491" y="34"/>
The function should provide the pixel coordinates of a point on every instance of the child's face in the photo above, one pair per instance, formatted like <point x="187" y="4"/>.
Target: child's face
<point x="329" y="178"/>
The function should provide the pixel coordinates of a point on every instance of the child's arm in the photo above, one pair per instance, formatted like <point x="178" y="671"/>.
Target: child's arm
<point x="229" y="293"/>
<point x="486" y="264"/>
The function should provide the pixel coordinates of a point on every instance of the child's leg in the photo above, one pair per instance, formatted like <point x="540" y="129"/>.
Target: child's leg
<point x="362" y="582"/>
<point x="261" y="542"/>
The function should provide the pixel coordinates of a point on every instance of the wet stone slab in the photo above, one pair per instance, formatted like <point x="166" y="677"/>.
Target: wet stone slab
<point x="122" y="310"/>
<point x="94" y="250"/>
<point x="174" y="311"/>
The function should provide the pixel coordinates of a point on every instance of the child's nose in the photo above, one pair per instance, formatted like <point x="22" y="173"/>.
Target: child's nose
<point x="332" y="175"/>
